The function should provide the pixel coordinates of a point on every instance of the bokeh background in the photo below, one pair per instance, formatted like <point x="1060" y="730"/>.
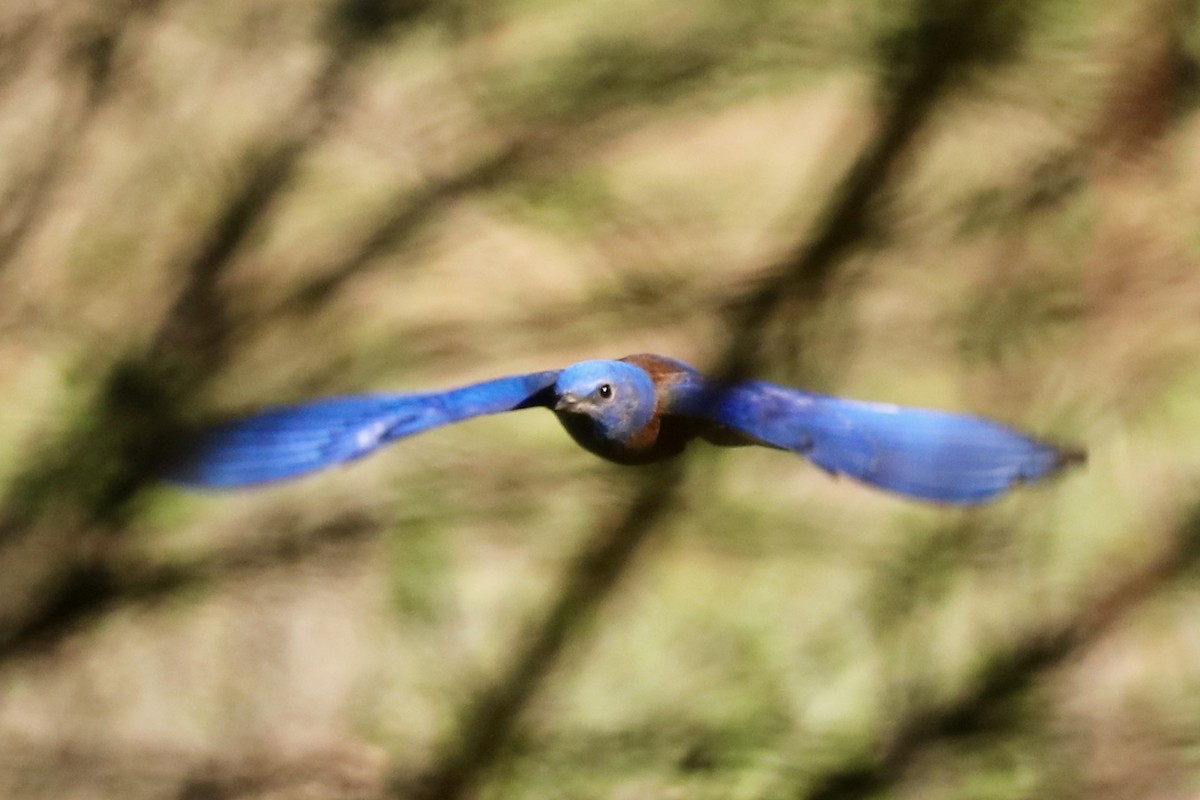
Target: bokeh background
<point x="212" y="205"/>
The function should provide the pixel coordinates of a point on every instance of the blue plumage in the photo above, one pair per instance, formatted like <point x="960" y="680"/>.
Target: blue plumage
<point x="935" y="455"/>
<point x="289" y="441"/>
<point x="642" y="409"/>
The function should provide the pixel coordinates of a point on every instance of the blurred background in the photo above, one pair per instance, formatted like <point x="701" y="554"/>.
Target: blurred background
<point x="212" y="205"/>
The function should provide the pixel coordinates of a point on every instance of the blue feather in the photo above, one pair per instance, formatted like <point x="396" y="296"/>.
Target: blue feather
<point x="288" y="441"/>
<point x="642" y="409"/>
<point x="934" y="455"/>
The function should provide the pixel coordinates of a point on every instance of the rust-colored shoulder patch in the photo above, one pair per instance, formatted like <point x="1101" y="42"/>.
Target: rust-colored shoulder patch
<point x="659" y="440"/>
<point x="666" y="373"/>
<point x="660" y="368"/>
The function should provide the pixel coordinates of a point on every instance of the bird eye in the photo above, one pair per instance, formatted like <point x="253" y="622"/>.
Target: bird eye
<point x="605" y="390"/>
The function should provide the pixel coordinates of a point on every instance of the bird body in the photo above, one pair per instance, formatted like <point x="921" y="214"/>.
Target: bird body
<point x="637" y="423"/>
<point x="642" y="409"/>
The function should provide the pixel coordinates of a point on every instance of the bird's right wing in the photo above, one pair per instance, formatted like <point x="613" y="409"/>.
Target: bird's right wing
<point x="918" y="452"/>
<point x="288" y="441"/>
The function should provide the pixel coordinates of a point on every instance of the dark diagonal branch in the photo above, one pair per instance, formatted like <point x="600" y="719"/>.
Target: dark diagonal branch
<point x="490" y="721"/>
<point x="406" y="216"/>
<point x="602" y="83"/>
<point x="1013" y="672"/>
<point x="918" y="63"/>
<point x="60" y="512"/>
<point x="90" y="62"/>
<point x="103" y="586"/>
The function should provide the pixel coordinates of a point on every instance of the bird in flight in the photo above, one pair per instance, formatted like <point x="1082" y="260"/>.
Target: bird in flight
<point x="641" y="409"/>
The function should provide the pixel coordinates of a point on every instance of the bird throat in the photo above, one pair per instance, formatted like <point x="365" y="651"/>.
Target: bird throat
<point x="655" y="442"/>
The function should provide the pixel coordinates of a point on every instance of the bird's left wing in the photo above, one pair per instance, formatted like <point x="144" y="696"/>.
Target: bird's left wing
<point x="932" y="455"/>
<point x="287" y="441"/>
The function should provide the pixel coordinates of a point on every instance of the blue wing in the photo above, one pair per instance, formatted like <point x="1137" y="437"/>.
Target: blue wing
<point x="933" y="455"/>
<point x="292" y="440"/>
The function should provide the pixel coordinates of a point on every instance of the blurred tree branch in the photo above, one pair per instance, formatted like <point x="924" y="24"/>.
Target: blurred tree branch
<point x="1011" y="673"/>
<point x="65" y="512"/>
<point x="103" y="586"/>
<point x="538" y="141"/>
<point x="919" y="62"/>
<point x="89" y="60"/>
<point x="947" y="35"/>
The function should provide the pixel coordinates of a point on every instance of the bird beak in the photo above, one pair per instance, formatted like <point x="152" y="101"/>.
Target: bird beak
<point x="566" y="402"/>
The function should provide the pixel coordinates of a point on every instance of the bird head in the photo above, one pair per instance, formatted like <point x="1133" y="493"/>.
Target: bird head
<point x="617" y="397"/>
